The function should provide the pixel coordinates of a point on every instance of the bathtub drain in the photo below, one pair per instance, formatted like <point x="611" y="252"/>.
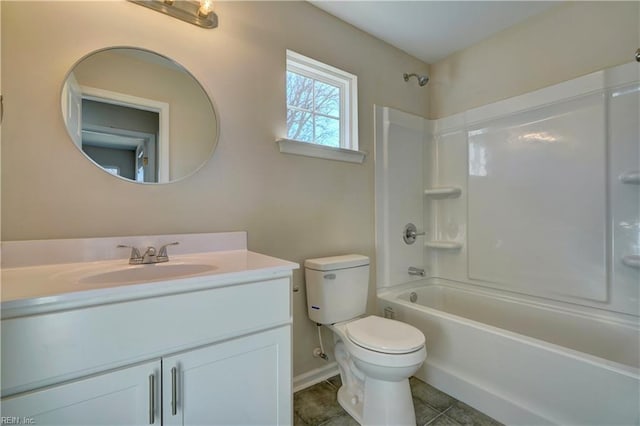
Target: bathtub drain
<point x="413" y="297"/>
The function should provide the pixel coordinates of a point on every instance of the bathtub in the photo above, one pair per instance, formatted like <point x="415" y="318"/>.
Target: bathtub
<point x="522" y="361"/>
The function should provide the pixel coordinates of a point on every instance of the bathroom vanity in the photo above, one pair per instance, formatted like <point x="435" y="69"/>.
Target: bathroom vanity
<point x="206" y="340"/>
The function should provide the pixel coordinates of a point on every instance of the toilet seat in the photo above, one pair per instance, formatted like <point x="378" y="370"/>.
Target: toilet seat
<point x="376" y="356"/>
<point x="384" y="335"/>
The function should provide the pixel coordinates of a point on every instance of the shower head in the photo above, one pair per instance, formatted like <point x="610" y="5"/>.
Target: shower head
<point x="422" y="79"/>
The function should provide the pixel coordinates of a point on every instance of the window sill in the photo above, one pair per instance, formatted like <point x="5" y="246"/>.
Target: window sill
<point x="307" y="149"/>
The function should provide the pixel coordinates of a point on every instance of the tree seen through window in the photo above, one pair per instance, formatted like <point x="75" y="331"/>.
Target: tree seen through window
<point x="313" y="110"/>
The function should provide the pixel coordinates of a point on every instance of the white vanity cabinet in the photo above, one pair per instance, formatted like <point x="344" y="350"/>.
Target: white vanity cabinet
<point x="239" y="382"/>
<point x="122" y="397"/>
<point x="206" y="350"/>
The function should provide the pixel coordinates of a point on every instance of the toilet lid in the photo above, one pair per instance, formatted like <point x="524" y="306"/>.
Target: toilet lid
<point x="385" y="335"/>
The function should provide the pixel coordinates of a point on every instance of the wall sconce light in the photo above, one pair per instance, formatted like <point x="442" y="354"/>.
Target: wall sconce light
<point x="199" y="13"/>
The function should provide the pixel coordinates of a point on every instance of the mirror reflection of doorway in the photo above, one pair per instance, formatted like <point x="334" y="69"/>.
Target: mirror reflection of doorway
<point x="121" y="139"/>
<point x="126" y="135"/>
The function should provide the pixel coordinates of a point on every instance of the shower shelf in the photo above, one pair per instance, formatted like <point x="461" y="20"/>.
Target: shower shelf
<point x="441" y="244"/>
<point x="631" y="177"/>
<point x="632" y="261"/>
<point x="444" y="191"/>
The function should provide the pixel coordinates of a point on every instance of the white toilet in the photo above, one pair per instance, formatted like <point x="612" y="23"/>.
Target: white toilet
<point x="376" y="356"/>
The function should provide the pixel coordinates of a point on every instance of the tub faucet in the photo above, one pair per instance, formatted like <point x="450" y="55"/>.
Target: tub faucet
<point x="416" y="271"/>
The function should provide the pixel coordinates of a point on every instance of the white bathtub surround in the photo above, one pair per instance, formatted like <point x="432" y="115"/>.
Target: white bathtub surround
<point x="102" y="341"/>
<point x="399" y="143"/>
<point x="538" y="203"/>
<point x="531" y="200"/>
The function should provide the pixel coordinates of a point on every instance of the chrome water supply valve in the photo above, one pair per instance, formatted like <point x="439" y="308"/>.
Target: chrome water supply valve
<point x="410" y="233"/>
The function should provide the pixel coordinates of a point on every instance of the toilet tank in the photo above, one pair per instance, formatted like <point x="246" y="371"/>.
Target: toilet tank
<point x="337" y="287"/>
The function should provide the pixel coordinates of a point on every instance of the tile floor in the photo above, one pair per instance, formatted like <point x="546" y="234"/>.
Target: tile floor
<point x="317" y="406"/>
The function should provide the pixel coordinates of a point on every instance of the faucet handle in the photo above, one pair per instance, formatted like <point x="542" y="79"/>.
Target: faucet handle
<point x="410" y="233"/>
<point x="135" y="254"/>
<point x="163" y="250"/>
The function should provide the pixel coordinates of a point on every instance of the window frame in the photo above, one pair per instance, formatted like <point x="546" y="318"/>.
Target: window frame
<point x="348" y="86"/>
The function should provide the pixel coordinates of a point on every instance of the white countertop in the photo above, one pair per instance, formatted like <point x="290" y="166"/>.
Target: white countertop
<point x="38" y="289"/>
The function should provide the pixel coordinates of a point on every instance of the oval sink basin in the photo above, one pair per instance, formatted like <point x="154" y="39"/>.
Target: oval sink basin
<point x="142" y="273"/>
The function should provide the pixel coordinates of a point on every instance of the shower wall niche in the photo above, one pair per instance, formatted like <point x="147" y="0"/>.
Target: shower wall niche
<point x="536" y="195"/>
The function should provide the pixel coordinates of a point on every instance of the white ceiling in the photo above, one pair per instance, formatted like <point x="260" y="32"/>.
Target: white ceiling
<point x="432" y="30"/>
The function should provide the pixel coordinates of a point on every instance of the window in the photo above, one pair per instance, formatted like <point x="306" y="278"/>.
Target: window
<point x="321" y="104"/>
<point x="313" y="111"/>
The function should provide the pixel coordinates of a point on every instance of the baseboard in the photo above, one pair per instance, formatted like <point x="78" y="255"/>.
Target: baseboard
<point x="496" y="406"/>
<point x="310" y="378"/>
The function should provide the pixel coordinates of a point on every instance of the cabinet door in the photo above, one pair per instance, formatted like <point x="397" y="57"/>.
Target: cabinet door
<point x="244" y="381"/>
<point x="128" y="396"/>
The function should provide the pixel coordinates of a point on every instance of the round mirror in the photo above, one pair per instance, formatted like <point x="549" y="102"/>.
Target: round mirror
<point x="139" y="115"/>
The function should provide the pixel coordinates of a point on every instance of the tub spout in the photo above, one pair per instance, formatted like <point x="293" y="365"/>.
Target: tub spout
<point x="416" y="271"/>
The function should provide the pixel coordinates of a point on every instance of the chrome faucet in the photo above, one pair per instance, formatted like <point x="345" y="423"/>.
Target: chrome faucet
<point x="149" y="256"/>
<point x="134" y="258"/>
<point x="162" y="253"/>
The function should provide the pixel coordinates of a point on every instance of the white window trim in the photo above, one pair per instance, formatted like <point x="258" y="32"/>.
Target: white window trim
<point x="348" y="84"/>
<point x="308" y="149"/>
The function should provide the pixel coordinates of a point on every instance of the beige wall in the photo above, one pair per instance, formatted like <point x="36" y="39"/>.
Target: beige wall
<point x="567" y="41"/>
<point x="292" y="207"/>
